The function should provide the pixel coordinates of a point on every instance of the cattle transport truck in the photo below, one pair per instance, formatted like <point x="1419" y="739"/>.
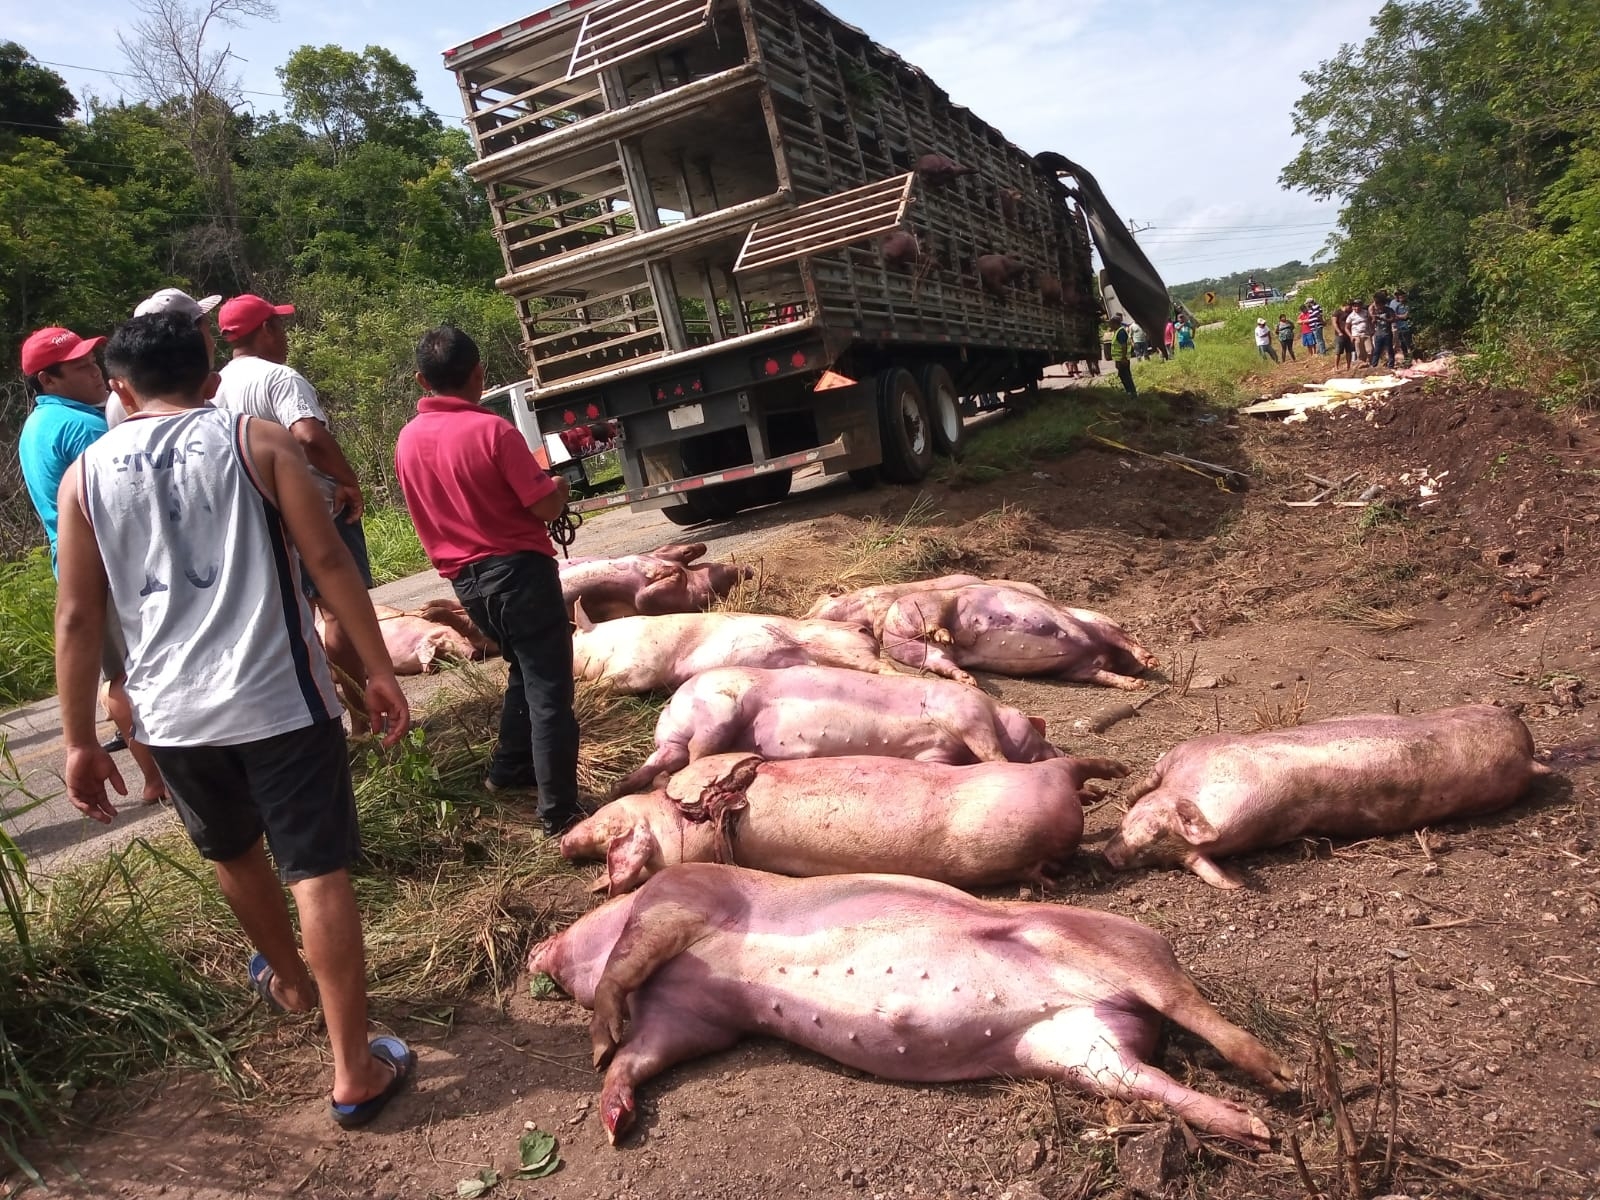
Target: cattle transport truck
<point x="758" y="240"/>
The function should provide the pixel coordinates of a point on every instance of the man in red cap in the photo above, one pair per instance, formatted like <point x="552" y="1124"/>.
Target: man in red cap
<point x="69" y="393"/>
<point x="258" y="382"/>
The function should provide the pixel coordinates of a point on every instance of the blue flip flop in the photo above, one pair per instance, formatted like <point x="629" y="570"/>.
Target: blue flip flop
<point x="400" y="1059"/>
<point x="261" y="979"/>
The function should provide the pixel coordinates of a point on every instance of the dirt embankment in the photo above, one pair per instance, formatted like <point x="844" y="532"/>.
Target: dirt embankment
<point x="1468" y="576"/>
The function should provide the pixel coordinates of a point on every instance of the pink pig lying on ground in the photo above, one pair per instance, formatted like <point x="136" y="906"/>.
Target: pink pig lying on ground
<point x="1011" y="632"/>
<point x="416" y="642"/>
<point x="820" y="712"/>
<point x="968" y="826"/>
<point x="867" y="605"/>
<point x="664" y="580"/>
<point x="900" y="977"/>
<point x="1347" y="777"/>
<point x="656" y="654"/>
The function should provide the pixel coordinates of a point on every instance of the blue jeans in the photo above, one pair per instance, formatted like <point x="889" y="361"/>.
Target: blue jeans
<point x="1382" y="346"/>
<point x="1322" y="345"/>
<point x="516" y="600"/>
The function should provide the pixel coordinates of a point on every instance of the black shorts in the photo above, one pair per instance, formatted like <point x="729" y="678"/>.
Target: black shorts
<point x="1345" y="345"/>
<point x="355" y="541"/>
<point x="295" y="788"/>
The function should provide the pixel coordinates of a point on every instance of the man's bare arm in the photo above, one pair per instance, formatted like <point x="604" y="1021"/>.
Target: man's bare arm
<point x="290" y="487"/>
<point x="81" y="594"/>
<point x="322" y="451"/>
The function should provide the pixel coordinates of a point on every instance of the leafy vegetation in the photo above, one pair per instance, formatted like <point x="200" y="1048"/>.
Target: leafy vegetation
<point x="1462" y="138"/>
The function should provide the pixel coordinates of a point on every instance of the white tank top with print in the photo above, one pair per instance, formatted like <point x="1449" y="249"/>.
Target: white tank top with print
<point x="205" y="584"/>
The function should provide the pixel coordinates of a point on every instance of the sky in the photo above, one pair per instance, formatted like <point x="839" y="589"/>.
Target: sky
<point x="1182" y="109"/>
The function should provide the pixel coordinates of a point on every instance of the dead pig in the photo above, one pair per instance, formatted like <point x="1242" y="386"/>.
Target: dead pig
<point x="1347" y="777"/>
<point x="904" y="978"/>
<point x="1011" y="632"/>
<point x="821" y="712"/>
<point x="656" y="654"/>
<point x="970" y="826"/>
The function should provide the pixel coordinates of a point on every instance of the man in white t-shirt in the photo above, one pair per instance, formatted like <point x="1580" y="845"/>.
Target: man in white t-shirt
<point x="259" y="382"/>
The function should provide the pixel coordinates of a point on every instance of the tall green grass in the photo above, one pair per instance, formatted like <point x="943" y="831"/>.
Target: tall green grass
<point x="392" y="545"/>
<point x="27" y="629"/>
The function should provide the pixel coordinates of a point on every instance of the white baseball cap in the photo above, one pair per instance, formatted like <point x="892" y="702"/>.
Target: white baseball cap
<point x="175" y="300"/>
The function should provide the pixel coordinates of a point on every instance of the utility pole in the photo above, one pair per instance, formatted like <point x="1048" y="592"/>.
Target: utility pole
<point x="1136" y="228"/>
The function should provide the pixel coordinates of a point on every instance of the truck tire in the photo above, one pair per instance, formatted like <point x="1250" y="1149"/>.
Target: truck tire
<point x="765" y="489"/>
<point x="944" y="409"/>
<point x="705" y="504"/>
<point x="903" y="425"/>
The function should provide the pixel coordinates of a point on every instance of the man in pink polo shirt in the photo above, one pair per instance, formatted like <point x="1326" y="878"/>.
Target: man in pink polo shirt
<point x="480" y="503"/>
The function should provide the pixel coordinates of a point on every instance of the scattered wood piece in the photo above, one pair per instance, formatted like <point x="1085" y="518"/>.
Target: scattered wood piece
<point x="1233" y="478"/>
<point x="1319" y="480"/>
<point x="1107" y="717"/>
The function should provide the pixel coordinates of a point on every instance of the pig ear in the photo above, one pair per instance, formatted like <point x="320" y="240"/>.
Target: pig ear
<point x="581" y="618"/>
<point x="1192" y="823"/>
<point x="628" y="859"/>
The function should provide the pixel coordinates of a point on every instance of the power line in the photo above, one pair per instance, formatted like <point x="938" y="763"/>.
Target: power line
<point x="130" y="75"/>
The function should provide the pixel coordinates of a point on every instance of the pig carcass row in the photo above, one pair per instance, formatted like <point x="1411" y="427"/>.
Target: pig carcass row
<point x="662" y="581"/>
<point x="904" y="978"/>
<point x="418" y="641"/>
<point x="656" y="654"/>
<point x="969" y="826"/>
<point x="821" y="712"/>
<point x="1355" y="776"/>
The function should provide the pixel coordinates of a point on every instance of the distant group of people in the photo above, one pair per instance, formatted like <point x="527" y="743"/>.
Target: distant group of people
<point x="1365" y="333"/>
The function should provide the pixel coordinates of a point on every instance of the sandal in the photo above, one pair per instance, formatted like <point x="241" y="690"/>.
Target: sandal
<point x="261" y="976"/>
<point x="400" y="1059"/>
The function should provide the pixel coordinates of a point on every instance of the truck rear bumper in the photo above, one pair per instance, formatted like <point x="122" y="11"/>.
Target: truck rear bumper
<point x="660" y="494"/>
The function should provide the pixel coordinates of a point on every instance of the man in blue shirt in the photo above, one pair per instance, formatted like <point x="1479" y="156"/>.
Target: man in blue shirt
<point x="68" y="415"/>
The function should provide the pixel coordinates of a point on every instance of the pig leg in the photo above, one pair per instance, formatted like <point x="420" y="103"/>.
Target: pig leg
<point x="1088" y="1050"/>
<point x="679" y="552"/>
<point x="924" y="657"/>
<point x="657" y="931"/>
<point x="662" y="1036"/>
<point x="1213" y="874"/>
<point x="1107" y="679"/>
<point x="674" y="756"/>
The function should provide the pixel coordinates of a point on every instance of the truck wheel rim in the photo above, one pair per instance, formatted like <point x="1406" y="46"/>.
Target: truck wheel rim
<point x="916" y="425"/>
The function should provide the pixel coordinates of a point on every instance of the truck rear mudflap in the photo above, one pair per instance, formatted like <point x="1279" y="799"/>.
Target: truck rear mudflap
<point x="663" y="492"/>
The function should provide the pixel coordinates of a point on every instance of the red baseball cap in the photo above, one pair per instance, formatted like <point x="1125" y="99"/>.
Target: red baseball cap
<point x="54" y="345"/>
<point x="247" y="313"/>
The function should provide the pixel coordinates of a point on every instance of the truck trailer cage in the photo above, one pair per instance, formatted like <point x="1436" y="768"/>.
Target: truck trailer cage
<point x="703" y="205"/>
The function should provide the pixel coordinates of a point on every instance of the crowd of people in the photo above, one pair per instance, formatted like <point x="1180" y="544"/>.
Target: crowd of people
<point x="194" y="517"/>
<point x="1363" y="333"/>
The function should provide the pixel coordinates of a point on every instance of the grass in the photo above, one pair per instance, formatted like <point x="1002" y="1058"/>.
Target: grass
<point x="27" y="629"/>
<point x="1225" y="365"/>
<point x="133" y="962"/>
<point x="392" y="545"/>
<point x="1055" y="426"/>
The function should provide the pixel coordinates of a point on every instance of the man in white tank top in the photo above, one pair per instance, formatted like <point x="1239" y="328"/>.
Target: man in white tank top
<point x="192" y="524"/>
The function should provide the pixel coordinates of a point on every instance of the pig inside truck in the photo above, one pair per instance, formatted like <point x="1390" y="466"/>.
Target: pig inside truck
<point x="750" y="239"/>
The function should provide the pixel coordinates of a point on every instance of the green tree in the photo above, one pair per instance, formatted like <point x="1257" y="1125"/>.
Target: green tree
<point x="66" y="257"/>
<point x="34" y="100"/>
<point x="348" y="99"/>
<point x="1450" y="113"/>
